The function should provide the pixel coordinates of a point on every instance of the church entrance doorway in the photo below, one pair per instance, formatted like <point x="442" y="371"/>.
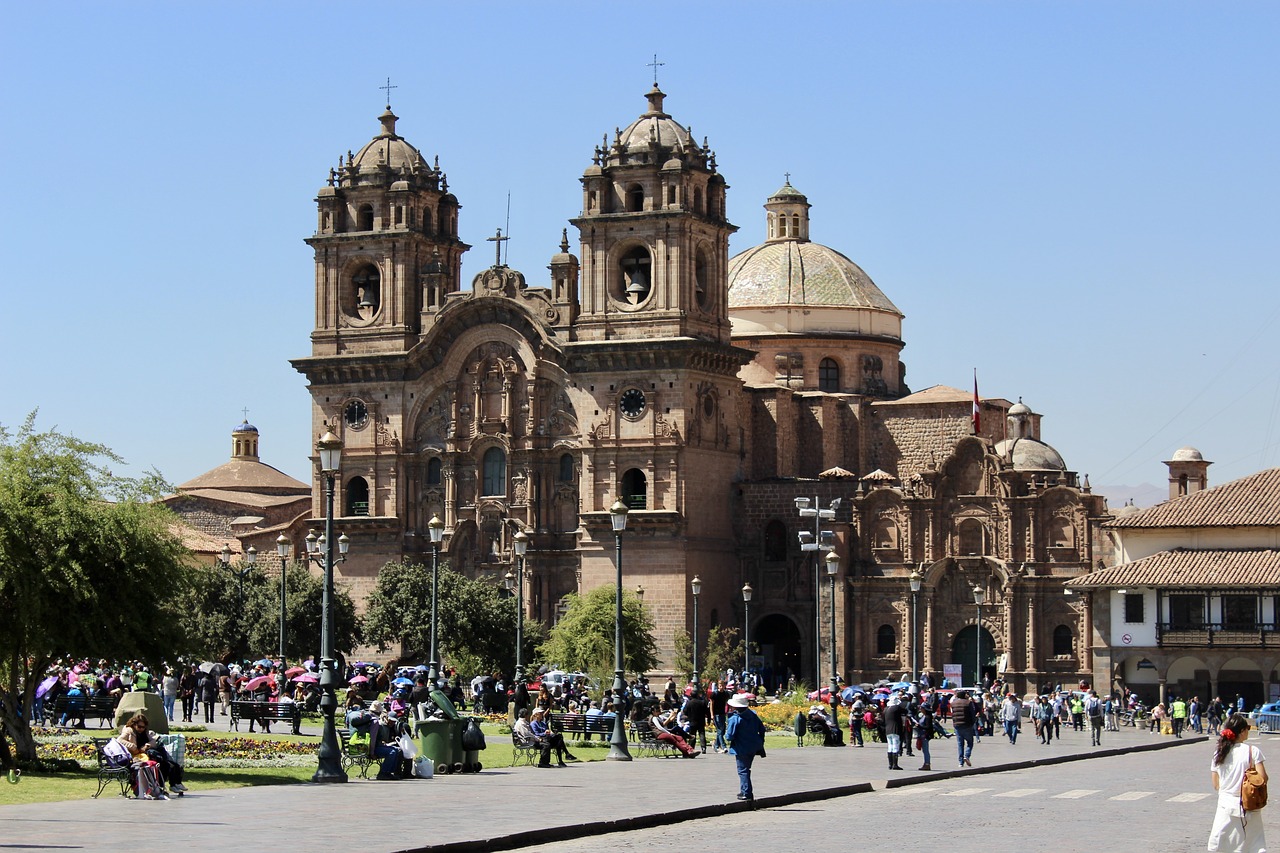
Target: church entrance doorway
<point x="775" y="643"/>
<point x="965" y="651"/>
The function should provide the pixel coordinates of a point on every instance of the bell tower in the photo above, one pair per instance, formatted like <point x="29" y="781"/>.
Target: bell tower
<point x="655" y="241"/>
<point x="386" y="247"/>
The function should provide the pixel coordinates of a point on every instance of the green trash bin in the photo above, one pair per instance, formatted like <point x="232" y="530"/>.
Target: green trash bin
<point x="440" y="739"/>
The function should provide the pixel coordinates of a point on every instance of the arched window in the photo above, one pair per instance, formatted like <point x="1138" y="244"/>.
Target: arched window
<point x="782" y="225"/>
<point x="635" y="489"/>
<point x="566" y="468"/>
<point x="364" y="218"/>
<point x="773" y="228"/>
<point x="885" y="533"/>
<point x="637" y="269"/>
<point x="495" y="471"/>
<point x="886" y="640"/>
<point x="357" y="496"/>
<point x="795" y="226"/>
<point x="367" y="290"/>
<point x="635" y="198"/>
<point x="775" y="541"/>
<point x="828" y="375"/>
<point x="434" y="470"/>
<point x="971" y="538"/>
<point x="1063" y="641"/>
<point x="700" y="274"/>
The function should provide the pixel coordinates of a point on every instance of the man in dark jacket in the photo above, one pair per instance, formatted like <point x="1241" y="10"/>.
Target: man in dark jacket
<point x="964" y="716"/>
<point x="719" y="702"/>
<point x="696" y="710"/>
<point x="745" y="736"/>
<point x="894" y="723"/>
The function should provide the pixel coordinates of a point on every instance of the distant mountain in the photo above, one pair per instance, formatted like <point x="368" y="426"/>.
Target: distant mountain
<point x="1143" y="494"/>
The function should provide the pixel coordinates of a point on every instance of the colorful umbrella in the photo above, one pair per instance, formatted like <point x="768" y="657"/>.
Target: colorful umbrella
<point x="306" y="678"/>
<point x="255" y="683"/>
<point x="359" y="679"/>
<point x="294" y="670"/>
<point x="406" y="681"/>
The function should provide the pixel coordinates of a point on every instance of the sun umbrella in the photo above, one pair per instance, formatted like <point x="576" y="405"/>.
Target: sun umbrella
<point x="255" y="683"/>
<point x="45" y="685"/>
<point x="294" y="671"/>
<point x="407" y="681"/>
<point x="359" y="679"/>
<point x="208" y="666"/>
<point x="307" y="678"/>
<point x="264" y="662"/>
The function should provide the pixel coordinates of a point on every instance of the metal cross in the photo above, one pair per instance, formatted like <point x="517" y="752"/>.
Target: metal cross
<point x="246" y="414"/>
<point x="497" y="240"/>
<point x="787" y="175"/>
<point x="654" y="65"/>
<point x="387" y="88"/>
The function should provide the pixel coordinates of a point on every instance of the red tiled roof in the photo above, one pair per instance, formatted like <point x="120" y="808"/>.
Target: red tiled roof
<point x="1185" y="567"/>
<point x="1252" y="501"/>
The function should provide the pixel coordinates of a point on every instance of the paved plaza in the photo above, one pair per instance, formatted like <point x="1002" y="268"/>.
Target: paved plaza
<point x="1155" y="781"/>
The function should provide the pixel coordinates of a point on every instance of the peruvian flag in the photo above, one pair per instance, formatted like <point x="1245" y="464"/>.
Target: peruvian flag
<point x="977" y="414"/>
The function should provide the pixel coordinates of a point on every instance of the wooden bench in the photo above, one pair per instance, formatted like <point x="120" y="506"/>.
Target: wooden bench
<point x="648" y="743"/>
<point x="101" y="708"/>
<point x="360" y="758"/>
<point x="265" y="713"/>
<point x="582" y="726"/>
<point x="108" y="771"/>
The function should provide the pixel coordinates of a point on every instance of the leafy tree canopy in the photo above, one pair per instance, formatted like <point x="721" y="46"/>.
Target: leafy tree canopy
<point x="721" y="651"/>
<point x="583" y="638"/>
<point x="88" y="566"/>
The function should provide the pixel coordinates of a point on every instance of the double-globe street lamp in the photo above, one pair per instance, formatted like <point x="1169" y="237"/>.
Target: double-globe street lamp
<point x="515" y="584"/>
<point x="696" y="586"/>
<point x="618" y="743"/>
<point x="833" y="566"/>
<point x="817" y="540"/>
<point x="979" y="597"/>
<point x="250" y="558"/>
<point x="329" y="756"/>
<point x="283" y="547"/>
<point x="435" y="527"/>
<point x="746" y="629"/>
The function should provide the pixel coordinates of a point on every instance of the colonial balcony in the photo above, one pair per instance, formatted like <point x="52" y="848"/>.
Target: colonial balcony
<point x="1209" y="634"/>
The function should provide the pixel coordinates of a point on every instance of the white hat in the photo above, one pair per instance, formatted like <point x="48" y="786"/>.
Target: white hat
<point x="739" y="700"/>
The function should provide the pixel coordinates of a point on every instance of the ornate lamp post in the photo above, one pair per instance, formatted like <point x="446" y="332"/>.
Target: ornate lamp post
<point x="330" y="754"/>
<point x="746" y="629"/>
<point x="283" y="547"/>
<point x="224" y="560"/>
<point x="436" y="528"/>
<point x="515" y="583"/>
<point x="817" y="540"/>
<point x="979" y="596"/>
<point x="618" y="743"/>
<point x="915" y="580"/>
<point x="696" y="586"/>
<point x="833" y="566"/>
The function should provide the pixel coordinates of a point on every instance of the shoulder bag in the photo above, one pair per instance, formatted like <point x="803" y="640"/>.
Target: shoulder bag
<point x="1253" y="791"/>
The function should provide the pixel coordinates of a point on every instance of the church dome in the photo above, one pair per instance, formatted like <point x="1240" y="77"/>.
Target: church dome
<point x="1187" y="454"/>
<point x="801" y="273"/>
<point x="1030" y="454"/>
<point x="655" y="137"/>
<point x="245" y="427"/>
<point x="388" y="149"/>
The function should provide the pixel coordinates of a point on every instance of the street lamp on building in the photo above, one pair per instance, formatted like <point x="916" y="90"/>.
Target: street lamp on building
<point x="746" y="629"/>
<point x="246" y="566"/>
<point x="833" y="566"/>
<point x="329" y="754"/>
<point x="515" y="583"/>
<point x="979" y="596"/>
<point x="283" y="547"/>
<point x="435" y="527"/>
<point x="696" y="586"/>
<point x="618" y="743"/>
<point x="916" y="580"/>
<point x="817" y="540"/>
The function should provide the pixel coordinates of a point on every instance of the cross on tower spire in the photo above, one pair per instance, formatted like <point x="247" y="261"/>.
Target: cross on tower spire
<point x="787" y="175"/>
<point x="387" y="88"/>
<point x="497" y="239"/>
<point x="655" y="65"/>
<point x="246" y="414"/>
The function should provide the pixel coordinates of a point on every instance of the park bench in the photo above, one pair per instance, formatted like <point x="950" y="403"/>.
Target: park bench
<point x="648" y="742"/>
<point x="265" y="713"/>
<point x="108" y="771"/>
<point x="526" y="750"/>
<point x="582" y="726"/>
<point x="101" y="708"/>
<point x="358" y="757"/>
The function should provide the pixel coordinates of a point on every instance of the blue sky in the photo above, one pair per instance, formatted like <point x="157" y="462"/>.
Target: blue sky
<point x="1078" y="199"/>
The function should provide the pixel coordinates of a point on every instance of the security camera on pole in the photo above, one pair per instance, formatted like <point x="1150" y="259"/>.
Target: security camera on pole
<point x="817" y="540"/>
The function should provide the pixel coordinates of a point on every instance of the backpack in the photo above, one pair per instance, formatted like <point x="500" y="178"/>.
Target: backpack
<point x="146" y="783"/>
<point x="1253" y="791"/>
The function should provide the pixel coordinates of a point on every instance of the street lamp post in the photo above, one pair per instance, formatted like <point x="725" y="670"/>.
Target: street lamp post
<point x="436" y="528"/>
<point x="746" y="629"/>
<point x="618" y="743"/>
<point x="329" y="754"/>
<point x="833" y="566"/>
<point x="283" y="547"/>
<point x="521" y="547"/>
<point x="979" y="596"/>
<point x="817" y="540"/>
<point x="224" y="560"/>
<point x="696" y="586"/>
<point x="915" y="580"/>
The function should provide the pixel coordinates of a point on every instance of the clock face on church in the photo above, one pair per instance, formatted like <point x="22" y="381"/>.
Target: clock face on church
<point x="631" y="402"/>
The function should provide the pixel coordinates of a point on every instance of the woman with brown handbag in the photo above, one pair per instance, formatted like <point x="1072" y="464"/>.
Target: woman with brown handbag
<point x="1236" y="826"/>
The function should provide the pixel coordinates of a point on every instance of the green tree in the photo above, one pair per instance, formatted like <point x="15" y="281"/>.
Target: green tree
<point x="476" y="620"/>
<point x="720" y="651"/>
<point x="583" y="638"/>
<point x="89" y="566"/>
<point x="304" y="599"/>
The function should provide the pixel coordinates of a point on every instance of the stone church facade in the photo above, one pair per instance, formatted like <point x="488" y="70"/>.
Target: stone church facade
<point x="706" y="393"/>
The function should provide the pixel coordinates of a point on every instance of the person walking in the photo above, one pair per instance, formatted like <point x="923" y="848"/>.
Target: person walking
<point x="856" y="712"/>
<point x="719" y="703"/>
<point x="1093" y="711"/>
<point x="1043" y="711"/>
<point x="744" y="734"/>
<point x="964" y="718"/>
<point x="1235" y="829"/>
<point x="1178" y="715"/>
<point x="1011" y="717"/>
<point x="924" y="732"/>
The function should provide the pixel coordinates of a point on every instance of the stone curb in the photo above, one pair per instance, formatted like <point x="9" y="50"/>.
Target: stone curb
<point x="553" y="834"/>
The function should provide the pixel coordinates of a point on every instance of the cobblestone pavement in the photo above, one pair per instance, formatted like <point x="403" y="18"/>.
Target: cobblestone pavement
<point x="1012" y="795"/>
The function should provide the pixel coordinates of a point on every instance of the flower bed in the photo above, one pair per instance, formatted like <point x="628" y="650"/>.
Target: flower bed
<point x="200" y="751"/>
